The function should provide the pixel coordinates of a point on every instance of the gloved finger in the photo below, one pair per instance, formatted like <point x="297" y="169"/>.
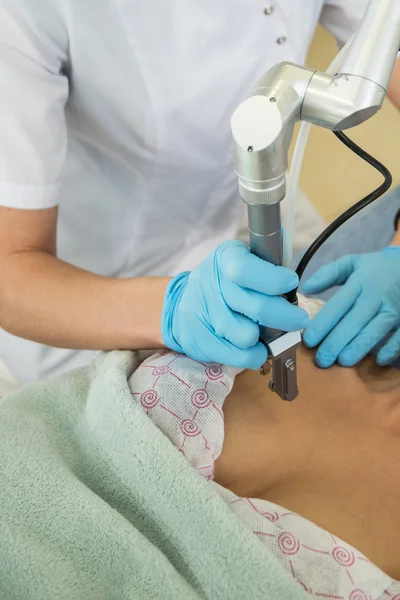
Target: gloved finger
<point x="363" y="311"/>
<point x="270" y="311"/>
<point x="330" y="314"/>
<point x="370" y="336"/>
<point x="248" y="271"/>
<point x="335" y="273"/>
<point x="201" y="343"/>
<point x="390" y="351"/>
<point x="236" y="329"/>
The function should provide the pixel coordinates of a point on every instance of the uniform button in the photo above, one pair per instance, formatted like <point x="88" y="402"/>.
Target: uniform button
<point x="281" y="40"/>
<point x="268" y="10"/>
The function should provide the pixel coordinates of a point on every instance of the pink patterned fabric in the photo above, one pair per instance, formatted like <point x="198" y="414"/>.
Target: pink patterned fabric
<point x="185" y="400"/>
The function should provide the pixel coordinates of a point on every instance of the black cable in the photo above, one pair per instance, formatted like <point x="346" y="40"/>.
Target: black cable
<point x="353" y="210"/>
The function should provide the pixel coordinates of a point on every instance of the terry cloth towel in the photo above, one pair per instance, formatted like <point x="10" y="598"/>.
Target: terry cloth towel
<point x="96" y="503"/>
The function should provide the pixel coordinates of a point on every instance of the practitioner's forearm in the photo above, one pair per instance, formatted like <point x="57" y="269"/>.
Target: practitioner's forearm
<point x="46" y="300"/>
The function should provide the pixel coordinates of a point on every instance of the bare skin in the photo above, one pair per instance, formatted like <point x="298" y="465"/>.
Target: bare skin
<point x="52" y="302"/>
<point x="332" y="456"/>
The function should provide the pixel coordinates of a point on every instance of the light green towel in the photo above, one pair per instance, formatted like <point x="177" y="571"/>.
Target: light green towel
<point x="96" y="503"/>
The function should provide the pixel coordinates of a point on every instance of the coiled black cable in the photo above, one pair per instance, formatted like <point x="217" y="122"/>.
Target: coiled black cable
<point x="353" y="210"/>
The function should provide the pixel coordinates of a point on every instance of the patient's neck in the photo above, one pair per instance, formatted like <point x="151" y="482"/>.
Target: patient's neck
<point x="365" y="392"/>
<point x="377" y="379"/>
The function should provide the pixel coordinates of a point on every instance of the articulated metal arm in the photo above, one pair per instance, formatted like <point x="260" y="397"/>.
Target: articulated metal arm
<point x="357" y="92"/>
<point x="263" y="125"/>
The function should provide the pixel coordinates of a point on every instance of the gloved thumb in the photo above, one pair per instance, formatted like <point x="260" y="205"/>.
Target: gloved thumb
<point x="335" y="273"/>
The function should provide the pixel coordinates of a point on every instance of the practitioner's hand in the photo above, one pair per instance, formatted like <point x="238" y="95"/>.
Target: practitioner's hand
<point x="213" y="313"/>
<point x="362" y="313"/>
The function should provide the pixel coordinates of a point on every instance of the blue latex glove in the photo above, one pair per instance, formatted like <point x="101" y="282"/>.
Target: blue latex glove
<point x="362" y="313"/>
<point x="213" y="313"/>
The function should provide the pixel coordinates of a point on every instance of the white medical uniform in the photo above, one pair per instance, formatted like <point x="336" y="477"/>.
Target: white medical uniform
<point x="118" y="111"/>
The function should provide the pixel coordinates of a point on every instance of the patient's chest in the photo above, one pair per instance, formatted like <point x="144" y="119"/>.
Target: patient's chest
<point x="276" y="465"/>
<point x="330" y="457"/>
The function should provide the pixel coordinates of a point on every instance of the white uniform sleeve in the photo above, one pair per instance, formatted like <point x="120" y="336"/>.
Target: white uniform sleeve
<point x="342" y="17"/>
<point x="33" y="93"/>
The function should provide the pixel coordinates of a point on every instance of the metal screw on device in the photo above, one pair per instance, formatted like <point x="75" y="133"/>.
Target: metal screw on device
<point x="290" y="364"/>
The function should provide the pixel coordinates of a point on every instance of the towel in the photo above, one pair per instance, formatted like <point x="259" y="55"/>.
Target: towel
<point x="97" y="504"/>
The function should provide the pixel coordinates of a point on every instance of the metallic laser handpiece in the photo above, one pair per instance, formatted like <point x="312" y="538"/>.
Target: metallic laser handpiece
<point x="262" y="128"/>
<point x="282" y="351"/>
